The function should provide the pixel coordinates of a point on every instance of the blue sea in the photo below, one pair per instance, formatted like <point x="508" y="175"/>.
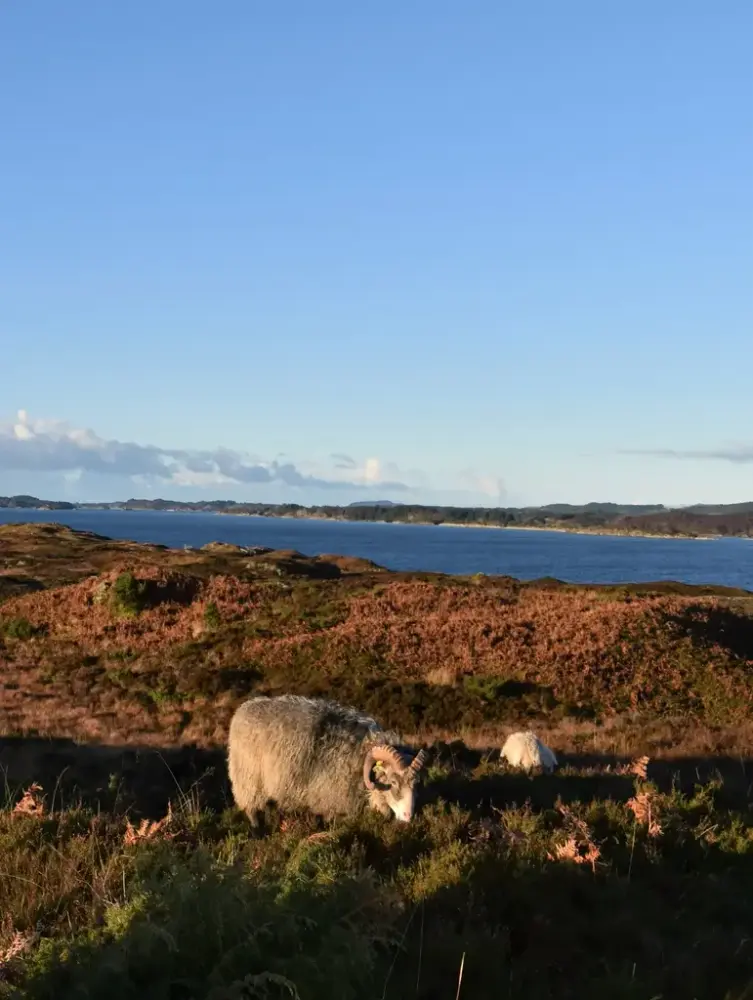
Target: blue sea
<point x="527" y="555"/>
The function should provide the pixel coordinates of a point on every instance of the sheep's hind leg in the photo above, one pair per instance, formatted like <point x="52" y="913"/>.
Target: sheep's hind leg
<point x="256" y="819"/>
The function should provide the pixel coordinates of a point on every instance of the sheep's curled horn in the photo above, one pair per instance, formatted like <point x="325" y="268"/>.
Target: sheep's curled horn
<point x="419" y="761"/>
<point x="391" y="754"/>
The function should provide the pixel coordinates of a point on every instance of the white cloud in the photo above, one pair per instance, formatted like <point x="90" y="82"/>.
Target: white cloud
<point x="57" y="457"/>
<point x="21" y="429"/>
<point x="29" y="445"/>
<point x="372" y="470"/>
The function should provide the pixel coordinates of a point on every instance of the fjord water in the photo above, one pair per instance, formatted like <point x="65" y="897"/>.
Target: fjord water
<point x="524" y="554"/>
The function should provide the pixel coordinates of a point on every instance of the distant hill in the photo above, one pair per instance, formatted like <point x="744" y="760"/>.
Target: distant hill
<point x="374" y="503"/>
<point x="637" y="519"/>
<point x="34" y="503"/>
<point x="720" y="508"/>
<point x="602" y="508"/>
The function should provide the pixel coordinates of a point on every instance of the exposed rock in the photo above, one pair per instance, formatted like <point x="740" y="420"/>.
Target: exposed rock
<point x="223" y="547"/>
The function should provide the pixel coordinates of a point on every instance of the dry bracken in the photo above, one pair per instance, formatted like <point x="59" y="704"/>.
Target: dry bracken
<point x="31" y="802"/>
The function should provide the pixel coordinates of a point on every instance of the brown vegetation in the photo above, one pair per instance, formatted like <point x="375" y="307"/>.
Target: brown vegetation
<point x="428" y="654"/>
<point x="115" y="839"/>
<point x="174" y="605"/>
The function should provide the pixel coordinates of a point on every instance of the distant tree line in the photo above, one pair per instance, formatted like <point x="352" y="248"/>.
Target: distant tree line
<point x="681" y="522"/>
<point x="734" y="519"/>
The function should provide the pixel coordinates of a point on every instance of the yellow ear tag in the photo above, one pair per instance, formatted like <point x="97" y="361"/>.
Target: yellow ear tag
<point x="379" y="767"/>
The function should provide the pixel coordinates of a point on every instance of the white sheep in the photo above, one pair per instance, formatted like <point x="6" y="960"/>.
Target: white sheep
<point x="525" y="750"/>
<point x="316" y="754"/>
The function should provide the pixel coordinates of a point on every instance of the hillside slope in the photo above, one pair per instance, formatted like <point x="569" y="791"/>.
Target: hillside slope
<point x="125" y="871"/>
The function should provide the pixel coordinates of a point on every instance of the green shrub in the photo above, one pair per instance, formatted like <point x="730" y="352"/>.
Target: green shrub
<point x="373" y="910"/>
<point x="485" y="688"/>
<point x="212" y="619"/>
<point x="19" y="628"/>
<point x="127" y="596"/>
<point x="193" y="927"/>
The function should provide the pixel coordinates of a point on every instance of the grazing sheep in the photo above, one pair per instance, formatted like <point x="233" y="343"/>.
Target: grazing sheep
<point x="525" y="750"/>
<point x="308" y="753"/>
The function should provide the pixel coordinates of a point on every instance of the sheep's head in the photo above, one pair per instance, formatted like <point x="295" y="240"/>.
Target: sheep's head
<point x="390" y="777"/>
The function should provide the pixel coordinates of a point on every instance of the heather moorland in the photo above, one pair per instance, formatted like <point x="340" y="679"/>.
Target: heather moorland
<point x="125" y="871"/>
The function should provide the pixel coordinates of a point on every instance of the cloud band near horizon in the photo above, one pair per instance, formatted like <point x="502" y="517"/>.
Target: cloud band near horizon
<point x="738" y="455"/>
<point x="28" y="445"/>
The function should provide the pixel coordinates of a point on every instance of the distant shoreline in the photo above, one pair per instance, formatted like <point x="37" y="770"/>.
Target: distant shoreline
<point x="559" y="528"/>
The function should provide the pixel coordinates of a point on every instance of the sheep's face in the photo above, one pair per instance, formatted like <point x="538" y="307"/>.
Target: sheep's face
<point x="395" y="791"/>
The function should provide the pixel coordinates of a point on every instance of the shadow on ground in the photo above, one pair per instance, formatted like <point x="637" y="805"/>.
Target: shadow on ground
<point x="142" y="779"/>
<point x="719" y="626"/>
<point x="145" y="779"/>
<point x="579" y="778"/>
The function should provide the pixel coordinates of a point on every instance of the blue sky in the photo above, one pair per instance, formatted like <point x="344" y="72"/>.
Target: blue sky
<point x="496" y="253"/>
